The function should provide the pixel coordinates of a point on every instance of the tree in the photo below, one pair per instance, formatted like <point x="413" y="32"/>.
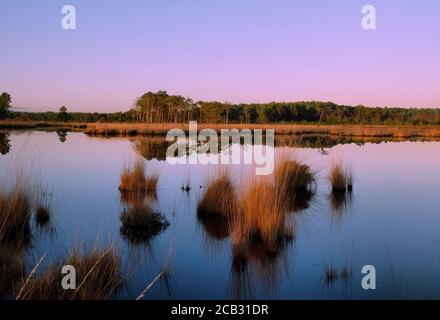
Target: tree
<point x="62" y="115"/>
<point x="5" y="104"/>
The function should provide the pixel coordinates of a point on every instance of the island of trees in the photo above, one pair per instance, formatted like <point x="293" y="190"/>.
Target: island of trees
<point x="160" y="107"/>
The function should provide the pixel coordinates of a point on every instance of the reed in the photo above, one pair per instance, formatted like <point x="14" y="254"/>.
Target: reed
<point x="15" y="212"/>
<point x="136" y="179"/>
<point x="12" y="267"/>
<point x="98" y="276"/>
<point x="295" y="182"/>
<point x="341" y="179"/>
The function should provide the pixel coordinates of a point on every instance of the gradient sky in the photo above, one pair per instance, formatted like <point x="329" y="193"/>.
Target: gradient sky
<point x="226" y="50"/>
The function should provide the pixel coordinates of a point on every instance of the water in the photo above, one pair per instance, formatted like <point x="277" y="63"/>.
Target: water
<point x="392" y="221"/>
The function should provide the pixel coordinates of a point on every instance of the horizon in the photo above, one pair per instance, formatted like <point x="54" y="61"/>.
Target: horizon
<point x="240" y="52"/>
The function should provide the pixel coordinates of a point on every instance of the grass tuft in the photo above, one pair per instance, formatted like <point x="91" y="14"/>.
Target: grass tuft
<point x="98" y="276"/>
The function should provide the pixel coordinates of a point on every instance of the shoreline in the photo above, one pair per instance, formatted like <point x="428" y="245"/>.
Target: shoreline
<point x="161" y="129"/>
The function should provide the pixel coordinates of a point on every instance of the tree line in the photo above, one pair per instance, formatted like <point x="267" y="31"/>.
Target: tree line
<point x="160" y="107"/>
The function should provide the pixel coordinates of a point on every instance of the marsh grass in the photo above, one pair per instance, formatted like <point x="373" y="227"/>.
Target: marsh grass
<point x="15" y="212"/>
<point x="137" y="179"/>
<point x="98" y="276"/>
<point x="295" y="182"/>
<point x="140" y="223"/>
<point x="12" y="267"/>
<point x="218" y="206"/>
<point x="341" y="179"/>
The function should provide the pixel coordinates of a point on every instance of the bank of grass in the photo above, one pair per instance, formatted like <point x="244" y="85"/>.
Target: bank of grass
<point x="161" y="129"/>
<point x="98" y="276"/>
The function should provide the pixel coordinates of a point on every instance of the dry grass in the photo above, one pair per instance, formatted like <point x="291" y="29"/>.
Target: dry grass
<point x="292" y="129"/>
<point x="140" y="223"/>
<point x="12" y="267"/>
<point x="295" y="182"/>
<point x="136" y="179"/>
<point x="341" y="179"/>
<point x="219" y="197"/>
<point x="218" y="205"/>
<point x="15" y="212"/>
<point x="98" y="276"/>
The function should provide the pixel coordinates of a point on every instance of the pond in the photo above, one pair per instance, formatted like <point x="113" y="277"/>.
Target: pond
<point x="391" y="220"/>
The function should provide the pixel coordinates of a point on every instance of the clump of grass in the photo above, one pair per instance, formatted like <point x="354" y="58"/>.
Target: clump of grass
<point x="98" y="276"/>
<point x="15" y="210"/>
<point x="135" y="179"/>
<point x="140" y="223"/>
<point x="295" y="182"/>
<point x="12" y="267"/>
<point x="217" y="207"/>
<point x="341" y="178"/>
<point x="262" y="214"/>
<point x="220" y="196"/>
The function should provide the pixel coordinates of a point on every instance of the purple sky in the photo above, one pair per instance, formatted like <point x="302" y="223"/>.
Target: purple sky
<point x="226" y="50"/>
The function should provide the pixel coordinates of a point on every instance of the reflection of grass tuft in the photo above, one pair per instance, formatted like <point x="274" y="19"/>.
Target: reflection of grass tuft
<point x="140" y="223"/>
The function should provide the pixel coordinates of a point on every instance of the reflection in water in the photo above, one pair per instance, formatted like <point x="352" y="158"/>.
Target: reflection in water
<point x="153" y="147"/>
<point x="5" y="145"/>
<point x="340" y="202"/>
<point x="62" y="135"/>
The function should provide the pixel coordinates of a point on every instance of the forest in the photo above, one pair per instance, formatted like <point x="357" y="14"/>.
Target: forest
<point x="160" y="107"/>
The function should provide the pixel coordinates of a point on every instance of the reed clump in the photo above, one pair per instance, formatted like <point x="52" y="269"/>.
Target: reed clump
<point x="341" y="179"/>
<point x="218" y="205"/>
<point x="295" y="182"/>
<point x="98" y="276"/>
<point x="15" y="212"/>
<point x="12" y="267"/>
<point x="136" y="179"/>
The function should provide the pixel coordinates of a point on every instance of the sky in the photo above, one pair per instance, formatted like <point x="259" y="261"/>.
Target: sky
<point x="225" y="50"/>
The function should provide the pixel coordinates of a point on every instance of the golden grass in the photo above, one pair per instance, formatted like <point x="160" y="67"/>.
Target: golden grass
<point x="15" y="211"/>
<point x="220" y="196"/>
<point x="136" y="179"/>
<point x="397" y="131"/>
<point x="341" y="179"/>
<point x="12" y="267"/>
<point x="295" y="182"/>
<point x="98" y="276"/>
<point x="218" y="205"/>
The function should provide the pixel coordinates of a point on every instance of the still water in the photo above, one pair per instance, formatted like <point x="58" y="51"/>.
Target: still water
<point x="392" y="220"/>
